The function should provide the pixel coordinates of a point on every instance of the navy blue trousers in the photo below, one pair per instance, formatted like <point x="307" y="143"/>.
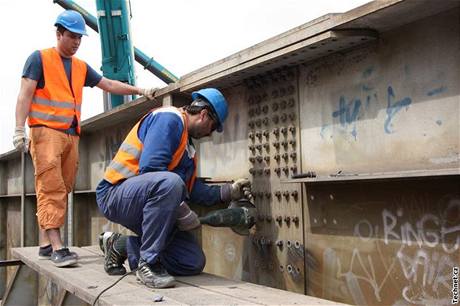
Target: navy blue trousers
<point x="146" y="204"/>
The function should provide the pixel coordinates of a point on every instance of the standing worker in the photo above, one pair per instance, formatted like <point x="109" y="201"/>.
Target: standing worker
<point x="50" y="96"/>
<point x="147" y="184"/>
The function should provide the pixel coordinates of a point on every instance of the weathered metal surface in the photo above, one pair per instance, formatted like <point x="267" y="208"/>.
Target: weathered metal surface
<point x="384" y="243"/>
<point x="390" y="106"/>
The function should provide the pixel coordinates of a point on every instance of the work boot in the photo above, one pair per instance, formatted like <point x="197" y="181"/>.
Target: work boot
<point x="45" y="252"/>
<point x="154" y="276"/>
<point x="113" y="260"/>
<point x="63" y="257"/>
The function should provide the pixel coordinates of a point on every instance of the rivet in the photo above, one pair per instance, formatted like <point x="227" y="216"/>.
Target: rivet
<point x="279" y="219"/>
<point x="265" y="109"/>
<point x="293" y="155"/>
<point x="292" y="142"/>
<point x="295" y="219"/>
<point x="277" y="157"/>
<point x="283" y="104"/>
<point x="251" y="135"/>
<point x="275" y="94"/>
<point x="259" y="158"/>
<point x="266" y="158"/>
<point x="252" y="159"/>
<point x="294" y="169"/>
<point x="284" y="143"/>
<point x="284" y="130"/>
<point x="276" y="131"/>
<point x="292" y="116"/>
<point x="278" y="194"/>
<point x="265" y="121"/>
<point x="267" y="171"/>
<point x="285" y="156"/>
<point x="258" y="122"/>
<point x="279" y="243"/>
<point x="291" y="102"/>
<point x="283" y="117"/>
<point x="266" y="134"/>
<point x="277" y="170"/>
<point x="286" y="170"/>
<point x="292" y="129"/>
<point x="281" y="267"/>
<point x="259" y="134"/>
<point x="290" y="90"/>
<point x="294" y="194"/>
<point x="275" y="119"/>
<point x="286" y="194"/>
<point x="259" y="147"/>
<point x="252" y="147"/>
<point x="287" y="219"/>
<point x="275" y="107"/>
<point x="276" y="144"/>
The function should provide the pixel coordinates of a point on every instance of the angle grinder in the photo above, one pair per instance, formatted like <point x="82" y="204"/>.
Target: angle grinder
<point x="240" y="216"/>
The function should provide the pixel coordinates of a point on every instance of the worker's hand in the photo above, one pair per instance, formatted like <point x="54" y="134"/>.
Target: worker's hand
<point x="241" y="188"/>
<point x="149" y="93"/>
<point x="187" y="219"/>
<point x="20" y="140"/>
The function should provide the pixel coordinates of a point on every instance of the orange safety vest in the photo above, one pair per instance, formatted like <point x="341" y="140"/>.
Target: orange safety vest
<point x="57" y="104"/>
<point x="125" y="164"/>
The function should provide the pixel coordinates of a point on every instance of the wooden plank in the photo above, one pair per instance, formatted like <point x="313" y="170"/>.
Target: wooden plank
<point x="88" y="278"/>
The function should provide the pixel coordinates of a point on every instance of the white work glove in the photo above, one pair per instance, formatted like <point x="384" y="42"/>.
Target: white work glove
<point x="187" y="219"/>
<point x="149" y="93"/>
<point x="20" y="140"/>
<point x="240" y="189"/>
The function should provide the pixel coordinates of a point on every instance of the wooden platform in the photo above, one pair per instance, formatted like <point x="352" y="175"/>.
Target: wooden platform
<point x="88" y="279"/>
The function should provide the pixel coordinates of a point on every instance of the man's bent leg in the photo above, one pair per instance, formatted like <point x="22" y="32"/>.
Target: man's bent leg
<point x="183" y="255"/>
<point x="146" y="204"/>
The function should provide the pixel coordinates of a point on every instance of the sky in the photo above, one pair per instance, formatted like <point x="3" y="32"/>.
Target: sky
<point x="182" y="35"/>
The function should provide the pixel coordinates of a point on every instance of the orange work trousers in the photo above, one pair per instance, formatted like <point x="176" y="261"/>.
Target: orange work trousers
<point x="55" y="158"/>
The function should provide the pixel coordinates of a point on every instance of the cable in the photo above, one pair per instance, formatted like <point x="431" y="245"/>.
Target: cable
<point x="118" y="280"/>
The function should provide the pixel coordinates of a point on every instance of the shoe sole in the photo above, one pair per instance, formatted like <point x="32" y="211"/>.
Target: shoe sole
<point x="66" y="263"/>
<point x="44" y="257"/>
<point x="150" y="285"/>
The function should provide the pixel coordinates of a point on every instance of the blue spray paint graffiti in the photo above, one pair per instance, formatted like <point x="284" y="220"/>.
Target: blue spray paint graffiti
<point x="436" y="91"/>
<point x="348" y="113"/>
<point x="393" y="108"/>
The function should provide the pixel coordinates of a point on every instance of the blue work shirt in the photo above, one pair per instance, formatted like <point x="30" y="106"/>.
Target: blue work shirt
<point x="160" y="134"/>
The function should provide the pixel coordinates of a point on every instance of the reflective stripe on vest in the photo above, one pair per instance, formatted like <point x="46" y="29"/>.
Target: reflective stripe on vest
<point x="125" y="164"/>
<point x="58" y="102"/>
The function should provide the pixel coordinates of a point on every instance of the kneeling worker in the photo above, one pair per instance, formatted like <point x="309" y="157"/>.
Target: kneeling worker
<point x="147" y="184"/>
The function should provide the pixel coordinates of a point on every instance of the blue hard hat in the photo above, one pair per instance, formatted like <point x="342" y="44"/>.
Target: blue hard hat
<point x="72" y="21"/>
<point x="217" y="101"/>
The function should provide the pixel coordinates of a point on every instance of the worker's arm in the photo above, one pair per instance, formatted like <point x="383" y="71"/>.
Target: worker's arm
<point x="120" y="88"/>
<point x="26" y="93"/>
